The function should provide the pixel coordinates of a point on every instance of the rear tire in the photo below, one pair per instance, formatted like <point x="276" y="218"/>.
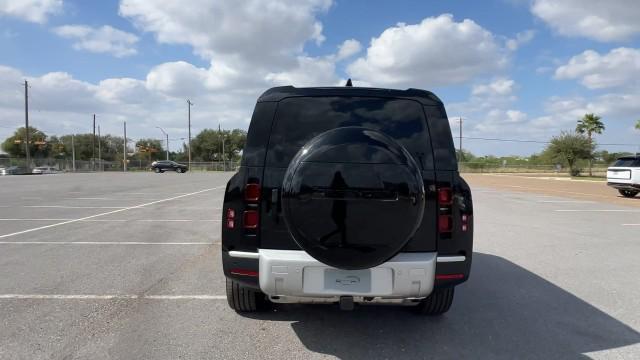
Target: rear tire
<point x="437" y="303"/>
<point x="244" y="299"/>
<point x="157" y="171"/>
<point x="628" y="193"/>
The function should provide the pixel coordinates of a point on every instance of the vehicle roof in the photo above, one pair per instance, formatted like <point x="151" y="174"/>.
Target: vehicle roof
<point x="629" y="157"/>
<point x="282" y="92"/>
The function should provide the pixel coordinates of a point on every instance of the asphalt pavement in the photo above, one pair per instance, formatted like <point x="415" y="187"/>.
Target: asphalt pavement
<point x="127" y="266"/>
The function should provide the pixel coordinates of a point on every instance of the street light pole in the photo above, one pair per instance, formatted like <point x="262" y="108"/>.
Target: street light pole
<point x="26" y="122"/>
<point x="124" y="153"/>
<point x="190" y="105"/>
<point x="167" y="136"/>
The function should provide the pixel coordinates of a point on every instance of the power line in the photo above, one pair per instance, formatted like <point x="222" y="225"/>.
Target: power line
<point x="536" y="141"/>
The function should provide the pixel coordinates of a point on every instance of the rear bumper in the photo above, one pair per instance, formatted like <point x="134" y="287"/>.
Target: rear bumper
<point x="294" y="274"/>
<point x="624" y="186"/>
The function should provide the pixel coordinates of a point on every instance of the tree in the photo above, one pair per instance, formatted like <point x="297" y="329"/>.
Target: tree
<point x="637" y="124"/>
<point x="590" y="124"/>
<point x="15" y="145"/>
<point x="208" y="144"/>
<point x="568" y="148"/>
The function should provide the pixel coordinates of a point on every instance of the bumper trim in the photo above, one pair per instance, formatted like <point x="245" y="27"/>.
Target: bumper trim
<point x="446" y="259"/>
<point x="244" y="254"/>
<point x="295" y="273"/>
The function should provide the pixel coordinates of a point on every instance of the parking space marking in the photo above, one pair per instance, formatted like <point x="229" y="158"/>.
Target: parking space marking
<point x="597" y="210"/>
<point x="121" y="220"/>
<point x="630" y="224"/>
<point x="566" y="201"/>
<point x="102" y="243"/>
<point x="108" y="297"/>
<point x="106" y="213"/>
<point x="74" y="207"/>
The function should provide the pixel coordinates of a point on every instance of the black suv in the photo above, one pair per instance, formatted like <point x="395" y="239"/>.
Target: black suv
<point x="347" y="195"/>
<point x="167" y="165"/>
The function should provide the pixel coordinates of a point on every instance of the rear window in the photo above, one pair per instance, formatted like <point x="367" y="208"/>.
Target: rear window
<point x="627" y="163"/>
<point x="300" y="119"/>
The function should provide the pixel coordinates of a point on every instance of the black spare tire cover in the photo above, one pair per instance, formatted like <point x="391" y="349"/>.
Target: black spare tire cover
<point x="353" y="197"/>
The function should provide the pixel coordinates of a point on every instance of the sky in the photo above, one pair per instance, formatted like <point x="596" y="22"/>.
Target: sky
<point x="511" y="69"/>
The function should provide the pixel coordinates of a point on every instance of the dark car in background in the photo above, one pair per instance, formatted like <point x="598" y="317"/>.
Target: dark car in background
<point x="14" y="170"/>
<point x="168" y="165"/>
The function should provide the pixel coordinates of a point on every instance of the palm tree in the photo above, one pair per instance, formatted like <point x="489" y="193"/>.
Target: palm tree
<point x="590" y="124"/>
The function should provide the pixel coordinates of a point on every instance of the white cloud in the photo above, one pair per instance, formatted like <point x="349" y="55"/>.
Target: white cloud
<point x="348" y="48"/>
<point x="264" y="33"/>
<point x="520" y="39"/>
<point x="437" y="51"/>
<point x="499" y="87"/>
<point x="606" y="21"/>
<point x="105" y="39"/>
<point x="309" y="72"/>
<point x="619" y="67"/>
<point x="30" y="10"/>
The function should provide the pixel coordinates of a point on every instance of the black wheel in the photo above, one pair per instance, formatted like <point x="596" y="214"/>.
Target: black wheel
<point x="437" y="303"/>
<point x="628" y="193"/>
<point x="243" y="299"/>
<point x="157" y="170"/>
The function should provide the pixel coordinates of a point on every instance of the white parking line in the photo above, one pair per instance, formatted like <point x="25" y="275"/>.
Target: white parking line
<point x="630" y="224"/>
<point x="108" y="297"/>
<point x="121" y="220"/>
<point x="596" y="210"/>
<point x="74" y="207"/>
<point x="566" y="201"/>
<point x="106" y="213"/>
<point x="101" y="243"/>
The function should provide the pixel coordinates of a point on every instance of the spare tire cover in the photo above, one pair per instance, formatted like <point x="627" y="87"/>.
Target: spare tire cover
<point x="353" y="197"/>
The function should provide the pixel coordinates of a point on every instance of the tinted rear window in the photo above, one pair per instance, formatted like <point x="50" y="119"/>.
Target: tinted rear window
<point x="627" y="162"/>
<point x="300" y="119"/>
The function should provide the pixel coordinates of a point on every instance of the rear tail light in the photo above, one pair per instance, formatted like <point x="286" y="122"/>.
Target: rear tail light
<point x="231" y="218"/>
<point x="252" y="192"/>
<point x="445" y="223"/>
<point x="250" y="219"/>
<point x="445" y="196"/>
<point x="244" y="272"/>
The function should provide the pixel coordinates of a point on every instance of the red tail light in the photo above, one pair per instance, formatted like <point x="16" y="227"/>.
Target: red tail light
<point x="445" y="196"/>
<point x="250" y="219"/>
<point x="252" y="192"/>
<point x="445" y="223"/>
<point x="231" y="218"/>
<point x="244" y="272"/>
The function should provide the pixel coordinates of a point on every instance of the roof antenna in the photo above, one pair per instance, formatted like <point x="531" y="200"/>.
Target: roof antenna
<point x="349" y="84"/>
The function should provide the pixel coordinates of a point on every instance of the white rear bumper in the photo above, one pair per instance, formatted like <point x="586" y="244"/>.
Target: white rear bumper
<point x="295" y="273"/>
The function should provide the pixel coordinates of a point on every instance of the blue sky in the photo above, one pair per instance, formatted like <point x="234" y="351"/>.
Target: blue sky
<point x="513" y="69"/>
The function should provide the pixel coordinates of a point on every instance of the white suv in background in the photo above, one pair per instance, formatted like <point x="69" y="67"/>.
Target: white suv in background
<point x="624" y="175"/>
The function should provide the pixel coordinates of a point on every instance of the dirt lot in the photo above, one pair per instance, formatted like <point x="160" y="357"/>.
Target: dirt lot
<point x="577" y="189"/>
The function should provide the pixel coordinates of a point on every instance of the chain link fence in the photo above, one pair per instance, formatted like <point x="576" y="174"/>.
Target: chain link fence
<point x="67" y="165"/>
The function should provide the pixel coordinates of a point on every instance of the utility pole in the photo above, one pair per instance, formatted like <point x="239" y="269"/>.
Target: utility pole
<point x="190" y="105"/>
<point x="26" y="123"/>
<point x="124" y="162"/>
<point x="73" y="152"/>
<point x="167" y="136"/>
<point x="461" y="155"/>
<point x="93" y="145"/>
<point x="99" y="150"/>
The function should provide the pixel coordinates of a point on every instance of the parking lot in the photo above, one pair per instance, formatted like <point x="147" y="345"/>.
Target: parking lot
<point x="104" y="266"/>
